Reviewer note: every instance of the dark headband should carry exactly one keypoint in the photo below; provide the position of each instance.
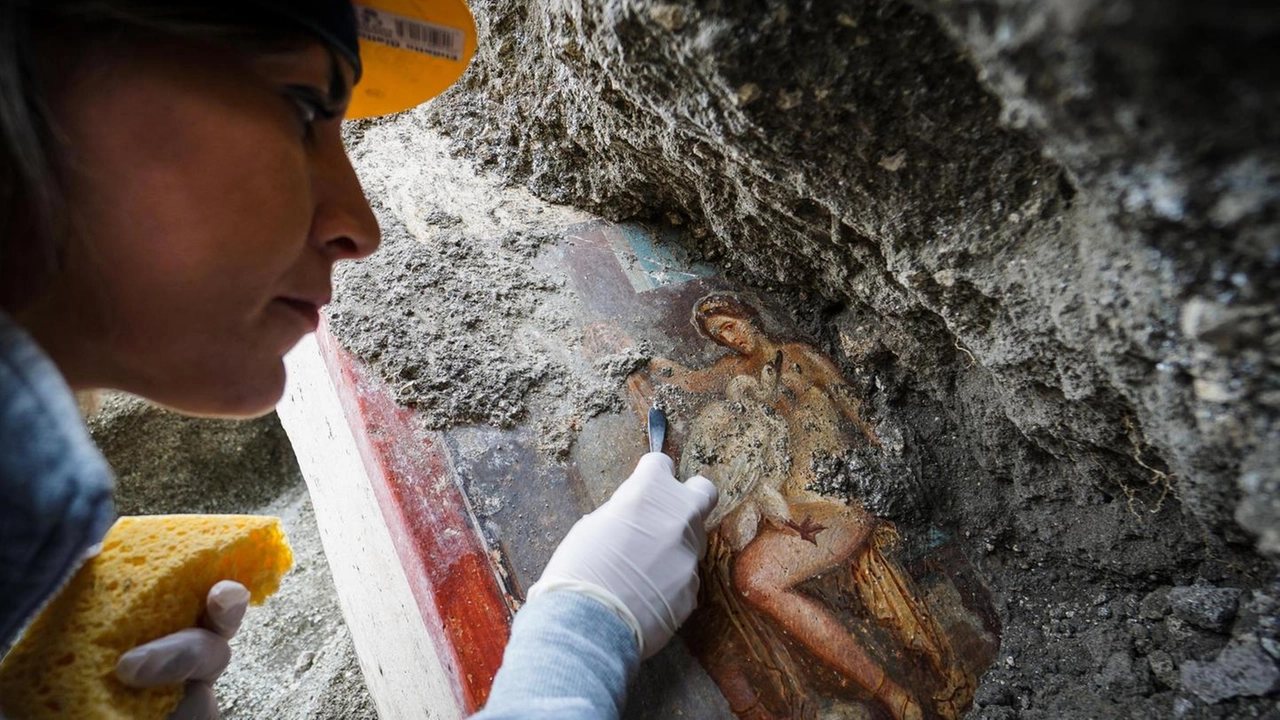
(333, 22)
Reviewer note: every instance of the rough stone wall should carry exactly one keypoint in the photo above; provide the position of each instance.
(1043, 234)
(1078, 199)
(1168, 115)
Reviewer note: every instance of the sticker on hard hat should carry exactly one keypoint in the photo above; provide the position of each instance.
(405, 33)
(411, 50)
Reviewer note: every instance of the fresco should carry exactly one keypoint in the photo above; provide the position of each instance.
(771, 411)
(811, 607)
(807, 606)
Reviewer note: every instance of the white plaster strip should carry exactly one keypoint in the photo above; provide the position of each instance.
(399, 660)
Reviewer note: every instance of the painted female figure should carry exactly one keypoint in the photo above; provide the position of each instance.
(784, 406)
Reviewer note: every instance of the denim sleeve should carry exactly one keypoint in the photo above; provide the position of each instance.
(569, 658)
(55, 488)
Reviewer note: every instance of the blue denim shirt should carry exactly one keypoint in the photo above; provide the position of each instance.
(569, 658)
(55, 487)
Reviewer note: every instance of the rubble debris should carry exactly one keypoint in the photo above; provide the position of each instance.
(1243, 668)
(1207, 607)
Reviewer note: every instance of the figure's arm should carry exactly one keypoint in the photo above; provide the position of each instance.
(827, 376)
(706, 380)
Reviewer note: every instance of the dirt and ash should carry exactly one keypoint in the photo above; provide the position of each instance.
(458, 310)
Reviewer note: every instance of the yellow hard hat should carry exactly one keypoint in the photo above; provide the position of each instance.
(411, 51)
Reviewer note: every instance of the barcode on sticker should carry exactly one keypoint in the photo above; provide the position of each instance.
(405, 33)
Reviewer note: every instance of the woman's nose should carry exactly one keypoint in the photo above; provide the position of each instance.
(344, 225)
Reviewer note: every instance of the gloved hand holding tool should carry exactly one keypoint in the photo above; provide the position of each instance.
(638, 552)
(195, 656)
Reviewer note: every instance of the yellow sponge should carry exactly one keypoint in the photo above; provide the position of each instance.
(150, 580)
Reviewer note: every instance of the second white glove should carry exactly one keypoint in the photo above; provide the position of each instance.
(638, 552)
(195, 656)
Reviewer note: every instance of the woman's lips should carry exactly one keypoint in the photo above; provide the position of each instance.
(308, 311)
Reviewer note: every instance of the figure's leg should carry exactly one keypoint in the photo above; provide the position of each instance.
(725, 644)
(769, 568)
(737, 689)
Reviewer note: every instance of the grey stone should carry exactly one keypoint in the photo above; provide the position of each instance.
(1259, 507)
(1223, 326)
(1180, 631)
(1217, 391)
(1272, 646)
(305, 660)
(170, 463)
(1264, 605)
(1155, 605)
(1119, 672)
(1163, 669)
(993, 693)
(1207, 607)
(1243, 668)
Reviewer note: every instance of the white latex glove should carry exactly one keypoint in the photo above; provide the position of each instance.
(638, 553)
(196, 656)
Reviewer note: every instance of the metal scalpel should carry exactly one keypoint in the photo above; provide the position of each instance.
(657, 429)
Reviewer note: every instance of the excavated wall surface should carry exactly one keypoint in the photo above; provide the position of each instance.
(1044, 237)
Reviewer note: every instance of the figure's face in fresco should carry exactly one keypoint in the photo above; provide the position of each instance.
(734, 333)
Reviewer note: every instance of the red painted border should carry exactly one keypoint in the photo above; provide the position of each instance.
(448, 567)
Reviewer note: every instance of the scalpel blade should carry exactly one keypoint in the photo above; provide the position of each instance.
(657, 429)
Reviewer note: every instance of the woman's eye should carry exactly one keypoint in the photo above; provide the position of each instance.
(310, 108)
(307, 112)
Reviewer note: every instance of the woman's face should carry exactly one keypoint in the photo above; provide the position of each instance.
(734, 333)
(211, 197)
